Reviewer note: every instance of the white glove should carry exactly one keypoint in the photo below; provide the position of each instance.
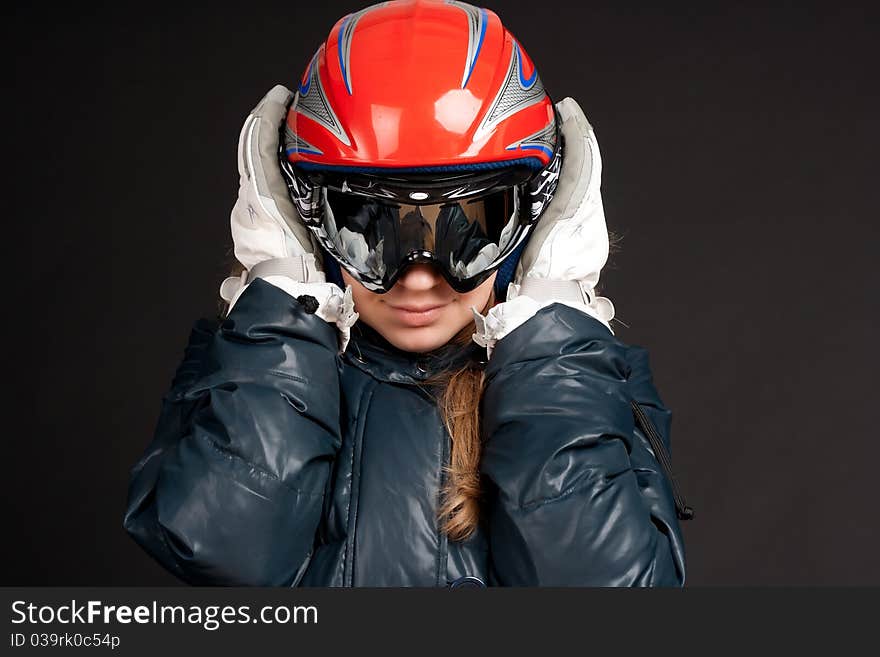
(270, 239)
(563, 258)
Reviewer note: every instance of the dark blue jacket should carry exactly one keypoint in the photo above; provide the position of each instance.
(277, 461)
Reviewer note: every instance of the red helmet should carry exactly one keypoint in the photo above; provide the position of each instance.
(421, 132)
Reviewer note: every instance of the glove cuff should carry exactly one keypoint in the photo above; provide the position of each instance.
(301, 268)
(298, 276)
(545, 288)
(573, 293)
(526, 299)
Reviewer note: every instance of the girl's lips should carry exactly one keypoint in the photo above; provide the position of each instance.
(417, 317)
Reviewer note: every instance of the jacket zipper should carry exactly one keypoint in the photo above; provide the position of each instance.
(682, 510)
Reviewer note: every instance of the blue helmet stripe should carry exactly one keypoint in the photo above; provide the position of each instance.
(537, 147)
(304, 88)
(339, 41)
(526, 84)
(483, 20)
(307, 151)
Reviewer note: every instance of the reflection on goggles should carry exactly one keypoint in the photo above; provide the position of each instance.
(377, 237)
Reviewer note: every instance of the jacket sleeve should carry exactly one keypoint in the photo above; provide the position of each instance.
(576, 497)
(230, 491)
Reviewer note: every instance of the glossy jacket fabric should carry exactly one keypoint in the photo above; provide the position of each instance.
(277, 461)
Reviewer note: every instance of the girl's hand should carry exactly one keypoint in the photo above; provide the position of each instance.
(564, 256)
(270, 239)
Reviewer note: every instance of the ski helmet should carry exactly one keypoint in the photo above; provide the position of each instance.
(420, 131)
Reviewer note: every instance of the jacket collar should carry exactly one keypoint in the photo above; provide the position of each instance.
(373, 354)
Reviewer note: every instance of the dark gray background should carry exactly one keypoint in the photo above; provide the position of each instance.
(740, 164)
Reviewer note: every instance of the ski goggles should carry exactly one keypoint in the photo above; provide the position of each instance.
(378, 223)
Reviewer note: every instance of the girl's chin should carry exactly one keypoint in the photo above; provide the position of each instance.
(417, 339)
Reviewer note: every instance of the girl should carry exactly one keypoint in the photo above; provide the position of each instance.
(461, 414)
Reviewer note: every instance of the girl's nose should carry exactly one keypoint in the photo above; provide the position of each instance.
(419, 277)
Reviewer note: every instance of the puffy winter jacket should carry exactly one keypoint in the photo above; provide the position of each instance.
(278, 461)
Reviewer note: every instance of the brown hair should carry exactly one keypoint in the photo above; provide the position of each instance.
(459, 404)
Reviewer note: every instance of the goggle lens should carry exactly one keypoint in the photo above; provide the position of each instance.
(379, 238)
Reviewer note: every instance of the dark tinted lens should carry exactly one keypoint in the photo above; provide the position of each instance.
(476, 234)
(363, 232)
